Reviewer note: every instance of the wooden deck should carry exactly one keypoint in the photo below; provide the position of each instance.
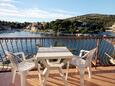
(102, 76)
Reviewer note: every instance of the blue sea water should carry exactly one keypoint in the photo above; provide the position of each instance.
(74, 44)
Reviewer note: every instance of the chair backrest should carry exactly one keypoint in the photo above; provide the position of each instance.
(90, 55)
(13, 59)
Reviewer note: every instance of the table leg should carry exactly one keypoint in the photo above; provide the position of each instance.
(40, 73)
(63, 76)
(46, 76)
(67, 69)
(43, 75)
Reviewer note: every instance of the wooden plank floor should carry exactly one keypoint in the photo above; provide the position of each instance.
(102, 76)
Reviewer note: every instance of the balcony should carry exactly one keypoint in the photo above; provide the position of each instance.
(103, 75)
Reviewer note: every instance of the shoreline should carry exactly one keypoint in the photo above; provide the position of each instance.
(107, 33)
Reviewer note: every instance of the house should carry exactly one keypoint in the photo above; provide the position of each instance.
(112, 28)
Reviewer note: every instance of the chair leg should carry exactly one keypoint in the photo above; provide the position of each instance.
(23, 78)
(14, 75)
(89, 71)
(77, 70)
(63, 77)
(81, 76)
(45, 78)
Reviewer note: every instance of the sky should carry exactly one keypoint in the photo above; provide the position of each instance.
(49, 10)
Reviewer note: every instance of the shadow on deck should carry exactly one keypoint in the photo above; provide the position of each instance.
(102, 76)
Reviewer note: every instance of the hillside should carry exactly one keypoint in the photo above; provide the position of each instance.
(89, 23)
(106, 20)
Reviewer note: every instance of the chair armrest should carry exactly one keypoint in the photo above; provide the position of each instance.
(81, 53)
(108, 55)
(112, 60)
(21, 53)
(34, 59)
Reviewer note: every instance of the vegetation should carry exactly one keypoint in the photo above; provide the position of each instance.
(90, 23)
(4, 25)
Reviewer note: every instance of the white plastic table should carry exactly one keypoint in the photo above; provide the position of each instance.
(46, 53)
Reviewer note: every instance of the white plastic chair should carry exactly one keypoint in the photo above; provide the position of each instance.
(22, 66)
(83, 61)
(111, 59)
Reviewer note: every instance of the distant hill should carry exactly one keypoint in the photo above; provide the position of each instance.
(105, 20)
(89, 23)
